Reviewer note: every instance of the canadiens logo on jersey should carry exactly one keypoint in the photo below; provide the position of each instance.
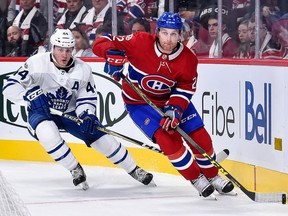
(60, 99)
(156, 84)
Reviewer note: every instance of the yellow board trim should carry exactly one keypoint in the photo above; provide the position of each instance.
(251, 177)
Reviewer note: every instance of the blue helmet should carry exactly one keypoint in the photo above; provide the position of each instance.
(170, 20)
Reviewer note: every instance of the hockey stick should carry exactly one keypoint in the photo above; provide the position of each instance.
(105, 130)
(255, 196)
(221, 156)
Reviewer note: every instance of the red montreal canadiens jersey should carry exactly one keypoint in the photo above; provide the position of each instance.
(160, 76)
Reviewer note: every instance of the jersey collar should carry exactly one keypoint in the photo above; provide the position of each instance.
(171, 56)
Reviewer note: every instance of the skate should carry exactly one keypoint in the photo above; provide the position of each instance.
(203, 186)
(142, 176)
(222, 185)
(79, 177)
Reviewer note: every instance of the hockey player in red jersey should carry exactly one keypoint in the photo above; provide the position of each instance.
(166, 72)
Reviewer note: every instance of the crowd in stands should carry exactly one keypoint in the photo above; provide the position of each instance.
(24, 25)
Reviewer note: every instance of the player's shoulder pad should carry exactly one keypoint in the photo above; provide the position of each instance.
(37, 61)
(82, 67)
(189, 53)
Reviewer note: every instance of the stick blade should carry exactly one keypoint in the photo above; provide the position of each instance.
(222, 155)
(271, 197)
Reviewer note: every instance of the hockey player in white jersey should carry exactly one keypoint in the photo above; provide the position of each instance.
(58, 80)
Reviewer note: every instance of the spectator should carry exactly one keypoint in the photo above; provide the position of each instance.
(100, 14)
(280, 32)
(33, 25)
(209, 21)
(244, 40)
(103, 29)
(15, 7)
(186, 38)
(88, 4)
(44, 47)
(3, 24)
(141, 8)
(82, 46)
(11, 11)
(74, 13)
(59, 6)
(140, 24)
(269, 48)
(228, 44)
(14, 41)
(271, 12)
(95, 18)
(187, 10)
(123, 6)
(242, 9)
(203, 43)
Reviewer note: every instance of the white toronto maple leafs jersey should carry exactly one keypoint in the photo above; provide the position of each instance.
(69, 90)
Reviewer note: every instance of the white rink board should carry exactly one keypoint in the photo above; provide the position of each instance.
(238, 91)
(247, 95)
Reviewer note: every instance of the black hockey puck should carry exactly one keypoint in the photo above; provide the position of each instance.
(284, 198)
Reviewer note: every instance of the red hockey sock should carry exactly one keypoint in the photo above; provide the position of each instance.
(203, 139)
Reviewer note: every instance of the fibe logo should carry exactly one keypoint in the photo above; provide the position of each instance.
(258, 116)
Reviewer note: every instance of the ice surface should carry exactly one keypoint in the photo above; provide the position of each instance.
(47, 190)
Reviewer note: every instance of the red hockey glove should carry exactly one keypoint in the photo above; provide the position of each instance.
(172, 119)
(114, 63)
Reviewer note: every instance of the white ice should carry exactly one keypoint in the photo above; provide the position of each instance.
(47, 190)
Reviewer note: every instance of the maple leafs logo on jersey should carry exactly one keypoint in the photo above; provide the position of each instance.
(61, 100)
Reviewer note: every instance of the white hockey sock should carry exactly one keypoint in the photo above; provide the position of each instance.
(115, 152)
(49, 137)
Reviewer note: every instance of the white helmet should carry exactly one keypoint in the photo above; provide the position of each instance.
(62, 38)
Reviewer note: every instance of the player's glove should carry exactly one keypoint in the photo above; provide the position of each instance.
(172, 118)
(90, 123)
(38, 101)
(114, 63)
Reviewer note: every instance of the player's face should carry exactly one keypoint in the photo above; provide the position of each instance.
(168, 39)
(62, 55)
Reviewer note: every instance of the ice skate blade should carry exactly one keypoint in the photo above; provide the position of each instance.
(152, 184)
(231, 193)
(84, 186)
(210, 197)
